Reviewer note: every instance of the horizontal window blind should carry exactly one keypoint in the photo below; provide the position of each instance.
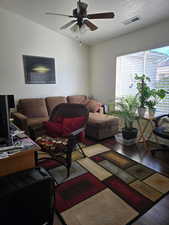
(154, 63)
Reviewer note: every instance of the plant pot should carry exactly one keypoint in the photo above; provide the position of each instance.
(141, 111)
(119, 138)
(129, 133)
(151, 112)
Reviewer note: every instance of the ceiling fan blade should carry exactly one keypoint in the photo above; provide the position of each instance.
(57, 14)
(108, 15)
(90, 25)
(67, 25)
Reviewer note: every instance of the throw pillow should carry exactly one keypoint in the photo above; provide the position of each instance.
(93, 105)
(72, 124)
(53, 129)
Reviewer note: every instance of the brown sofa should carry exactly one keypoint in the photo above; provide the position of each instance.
(33, 111)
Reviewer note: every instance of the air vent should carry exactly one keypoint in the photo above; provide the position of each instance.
(131, 20)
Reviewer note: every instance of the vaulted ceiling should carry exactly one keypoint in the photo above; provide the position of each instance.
(149, 11)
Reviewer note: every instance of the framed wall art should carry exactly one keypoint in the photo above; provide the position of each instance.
(39, 70)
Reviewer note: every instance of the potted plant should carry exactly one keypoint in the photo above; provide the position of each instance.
(144, 92)
(156, 96)
(126, 108)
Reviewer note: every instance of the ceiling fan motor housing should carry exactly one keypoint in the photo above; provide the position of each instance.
(82, 13)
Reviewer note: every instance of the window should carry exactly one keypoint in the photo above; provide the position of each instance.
(154, 63)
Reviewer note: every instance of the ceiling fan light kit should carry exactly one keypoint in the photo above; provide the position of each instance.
(76, 29)
(81, 18)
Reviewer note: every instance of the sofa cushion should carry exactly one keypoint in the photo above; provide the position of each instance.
(79, 99)
(102, 120)
(51, 102)
(93, 105)
(33, 107)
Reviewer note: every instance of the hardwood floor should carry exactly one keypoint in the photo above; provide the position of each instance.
(159, 214)
(142, 154)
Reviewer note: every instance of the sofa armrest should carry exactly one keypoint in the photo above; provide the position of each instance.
(20, 120)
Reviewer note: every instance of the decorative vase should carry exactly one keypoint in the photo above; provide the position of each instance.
(141, 111)
(151, 112)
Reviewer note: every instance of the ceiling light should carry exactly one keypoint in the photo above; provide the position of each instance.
(76, 29)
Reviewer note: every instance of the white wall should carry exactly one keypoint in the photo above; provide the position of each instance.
(103, 56)
(19, 36)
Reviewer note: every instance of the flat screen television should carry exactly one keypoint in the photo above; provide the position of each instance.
(6, 102)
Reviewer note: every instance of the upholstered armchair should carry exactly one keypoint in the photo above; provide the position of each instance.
(63, 132)
(161, 130)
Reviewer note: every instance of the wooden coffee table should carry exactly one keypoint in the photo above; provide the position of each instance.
(22, 160)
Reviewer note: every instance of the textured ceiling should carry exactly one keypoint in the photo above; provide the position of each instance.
(149, 11)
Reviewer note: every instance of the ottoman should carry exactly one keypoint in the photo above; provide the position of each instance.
(101, 126)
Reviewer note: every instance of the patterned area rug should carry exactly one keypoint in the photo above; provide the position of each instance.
(106, 188)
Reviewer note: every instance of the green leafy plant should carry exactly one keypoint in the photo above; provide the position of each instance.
(126, 108)
(156, 96)
(144, 91)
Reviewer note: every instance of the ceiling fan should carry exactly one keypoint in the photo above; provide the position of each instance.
(81, 17)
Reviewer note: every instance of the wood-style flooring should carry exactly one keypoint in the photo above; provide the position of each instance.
(159, 214)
